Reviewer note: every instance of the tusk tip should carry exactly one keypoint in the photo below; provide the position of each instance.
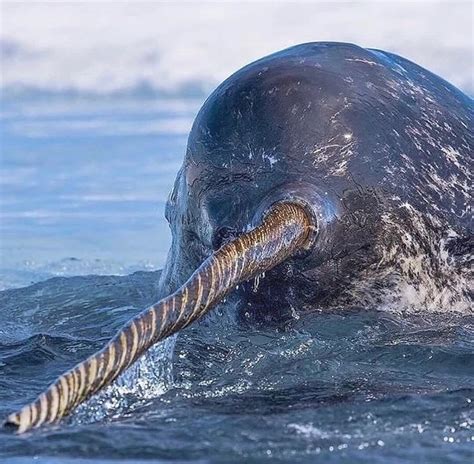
(18, 422)
(13, 423)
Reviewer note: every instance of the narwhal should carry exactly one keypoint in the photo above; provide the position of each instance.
(342, 173)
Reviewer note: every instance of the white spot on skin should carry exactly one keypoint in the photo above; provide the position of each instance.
(452, 155)
(428, 281)
(256, 282)
(360, 60)
(336, 160)
(272, 159)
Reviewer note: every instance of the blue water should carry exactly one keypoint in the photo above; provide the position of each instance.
(83, 187)
(84, 183)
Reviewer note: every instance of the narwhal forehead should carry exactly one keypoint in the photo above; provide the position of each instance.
(336, 116)
(273, 124)
(216, 171)
(243, 165)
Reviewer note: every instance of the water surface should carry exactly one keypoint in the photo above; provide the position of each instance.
(349, 386)
(84, 182)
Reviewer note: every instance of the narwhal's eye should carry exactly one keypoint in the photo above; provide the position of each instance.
(222, 236)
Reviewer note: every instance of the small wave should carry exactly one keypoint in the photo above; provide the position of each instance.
(150, 377)
(30, 272)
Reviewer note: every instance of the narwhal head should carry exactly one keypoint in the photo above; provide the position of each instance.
(278, 130)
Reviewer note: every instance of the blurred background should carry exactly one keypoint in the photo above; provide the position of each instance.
(97, 100)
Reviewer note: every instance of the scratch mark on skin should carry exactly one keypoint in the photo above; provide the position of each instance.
(360, 60)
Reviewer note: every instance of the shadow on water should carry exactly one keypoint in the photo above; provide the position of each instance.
(347, 386)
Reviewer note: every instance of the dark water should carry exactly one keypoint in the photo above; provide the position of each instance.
(350, 386)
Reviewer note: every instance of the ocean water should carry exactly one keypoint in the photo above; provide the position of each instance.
(84, 182)
(350, 386)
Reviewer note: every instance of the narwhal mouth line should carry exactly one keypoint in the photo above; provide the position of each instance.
(286, 228)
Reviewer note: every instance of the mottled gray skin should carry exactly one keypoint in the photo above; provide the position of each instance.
(380, 148)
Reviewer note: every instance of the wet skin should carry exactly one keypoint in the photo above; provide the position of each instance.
(381, 149)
